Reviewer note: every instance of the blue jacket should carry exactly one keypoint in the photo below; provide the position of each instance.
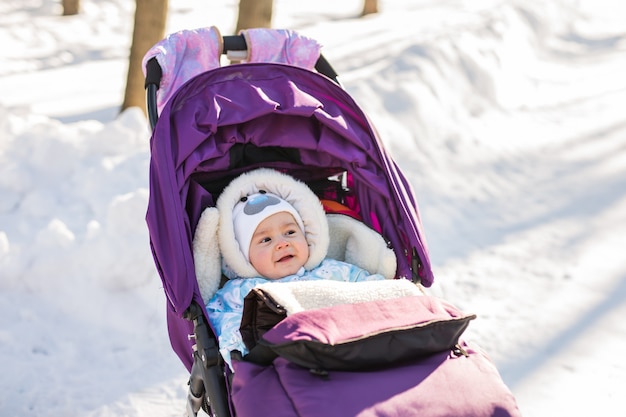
(225, 309)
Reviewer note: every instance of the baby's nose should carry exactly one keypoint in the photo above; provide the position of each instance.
(282, 244)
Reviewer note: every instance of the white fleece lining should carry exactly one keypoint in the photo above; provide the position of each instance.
(206, 253)
(352, 242)
(310, 295)
(355, 243)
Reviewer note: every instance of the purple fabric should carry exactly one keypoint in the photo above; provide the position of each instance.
(337, 324)
(442, 385)
(264, 105)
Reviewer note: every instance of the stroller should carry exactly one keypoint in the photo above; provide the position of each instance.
(283, 108)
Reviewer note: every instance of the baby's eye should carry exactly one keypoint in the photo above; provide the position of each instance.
(265, 240)
(291, 232)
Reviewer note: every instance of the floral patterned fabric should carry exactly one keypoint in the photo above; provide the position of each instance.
(182, 56)
(187, 53)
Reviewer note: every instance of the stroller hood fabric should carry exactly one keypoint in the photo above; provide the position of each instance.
(202, 137)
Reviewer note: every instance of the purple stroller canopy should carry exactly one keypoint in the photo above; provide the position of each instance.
(265, 105)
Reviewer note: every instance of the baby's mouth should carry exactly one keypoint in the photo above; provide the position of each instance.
(285, 258)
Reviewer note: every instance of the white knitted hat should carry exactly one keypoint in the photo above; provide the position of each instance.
(250, 211)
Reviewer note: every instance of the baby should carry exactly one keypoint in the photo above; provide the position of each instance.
(278, 243)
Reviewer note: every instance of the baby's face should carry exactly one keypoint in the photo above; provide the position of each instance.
(278, 247)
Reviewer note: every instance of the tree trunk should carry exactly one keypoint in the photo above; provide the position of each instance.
(70, 7)
(369, 7)
(254, 14)
(150, 20)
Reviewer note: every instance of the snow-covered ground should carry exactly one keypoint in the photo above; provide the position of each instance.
(507, 116)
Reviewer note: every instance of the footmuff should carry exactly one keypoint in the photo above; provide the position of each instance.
(388, 356)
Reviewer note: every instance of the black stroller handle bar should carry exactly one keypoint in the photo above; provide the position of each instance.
(154, 73)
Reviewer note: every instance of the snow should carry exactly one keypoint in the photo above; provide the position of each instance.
(507, 116)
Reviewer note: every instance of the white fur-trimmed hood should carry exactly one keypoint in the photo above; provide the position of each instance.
(352, 241)
(295, 192)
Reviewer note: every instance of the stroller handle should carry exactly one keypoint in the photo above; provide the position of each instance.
(232, 43)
